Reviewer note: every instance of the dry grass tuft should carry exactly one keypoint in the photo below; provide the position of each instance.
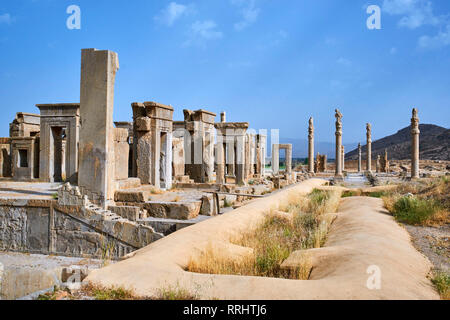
(91, 291)
(173, 293)
(298, 224)
(112, 293)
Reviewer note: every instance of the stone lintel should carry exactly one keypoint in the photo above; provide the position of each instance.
(123, 124)
(59, 110)
(22, 139)
(231, 125)
(178, 124)
(152, 104)
(285, 146)
(205, 111)
(28, 118)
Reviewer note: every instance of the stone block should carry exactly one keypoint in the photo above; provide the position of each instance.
(143, 124)
(130, 196)
(207, 208)
(127, 212)
(173, 210)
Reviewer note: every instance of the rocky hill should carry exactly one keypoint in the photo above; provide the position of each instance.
(434, 144)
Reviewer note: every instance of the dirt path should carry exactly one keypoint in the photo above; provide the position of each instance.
(364, 238)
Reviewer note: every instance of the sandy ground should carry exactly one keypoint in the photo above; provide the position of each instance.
(367, 256)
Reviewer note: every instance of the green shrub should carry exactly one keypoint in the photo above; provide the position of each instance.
(441, 281)
(413, 210)
(348, 193)
(377, 194)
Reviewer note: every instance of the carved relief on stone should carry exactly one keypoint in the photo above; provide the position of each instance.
(415, 122)
(369, 132)
(338, 116)
(311, 128)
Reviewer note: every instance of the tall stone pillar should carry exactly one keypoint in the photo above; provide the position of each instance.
(369, 148)
(63, 159)
(415, 132)
(260, 154)
(96, 149)
(231, 157)
(311, 146)
(289, 159)
(220, 159)
(378, 164)
(223, 117)
(359, 158)
(338, 172)
(240, 158)
(275, 159)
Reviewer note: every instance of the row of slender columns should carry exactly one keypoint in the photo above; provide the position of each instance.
(340, 151)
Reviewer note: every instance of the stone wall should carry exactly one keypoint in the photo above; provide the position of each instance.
(5, 157)
(46, 227)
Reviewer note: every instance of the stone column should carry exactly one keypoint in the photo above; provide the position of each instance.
(369, 148)
(359, 158)
(231, 157)
(275, 159)
(263, 154)
(385, 167)
(289, 160)
(240, 159)
(220, 159)
(415, 132)
(63, 159)
(338, 172)
(343, 158)
(311, 146)
(223, 117)
(247, 156)
(96, 150)
(378, 164)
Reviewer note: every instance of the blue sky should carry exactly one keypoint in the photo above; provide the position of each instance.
(273, 63)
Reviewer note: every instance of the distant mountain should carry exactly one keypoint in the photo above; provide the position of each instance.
(434, 144)
(300, 147)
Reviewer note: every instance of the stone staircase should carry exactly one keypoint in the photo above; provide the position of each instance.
(131, 233)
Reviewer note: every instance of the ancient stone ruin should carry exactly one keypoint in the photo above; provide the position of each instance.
(90, 183)
(79, 184)
(415, 132)
(339, 168)
(321, 163)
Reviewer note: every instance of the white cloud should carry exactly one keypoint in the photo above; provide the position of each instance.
(171, 13)
(344, 62)
(415, 13)
(330, 41)
(6, 18)
(202, 31)
(248, 11)
(442, 39)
